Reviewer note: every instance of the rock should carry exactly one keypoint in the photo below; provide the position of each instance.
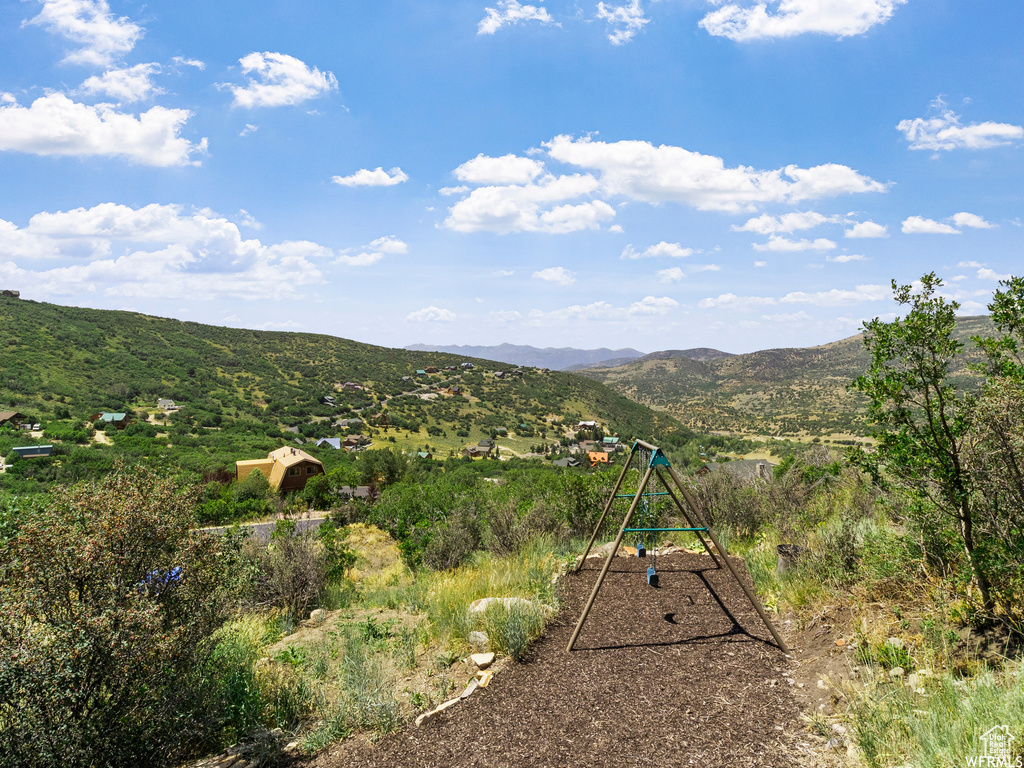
(426, 717)
(479, 641)
(821, 684)
(318, 616)
(481, 605)
(895, 642)
(838, 730)
(482, 660)
(483, 678)
(897, 672)
(473, 685)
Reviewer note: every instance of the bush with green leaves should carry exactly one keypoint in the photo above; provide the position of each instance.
(109, 605)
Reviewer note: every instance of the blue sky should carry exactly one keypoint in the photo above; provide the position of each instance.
(724, 173)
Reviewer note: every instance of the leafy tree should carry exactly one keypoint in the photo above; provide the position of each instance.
(255, 487)
(109, 605)
(922, 422)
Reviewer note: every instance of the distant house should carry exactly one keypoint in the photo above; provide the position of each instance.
(13, 418)
(287, 469)
(477, 451)
(119, 420)
(587, 425)
(500, 374)
(351, 385)
(327, 400)
(486, 443)
(424, 455)
(409, 378)
(568, 461)
(610, 440)
(344, 423)
(454, 390)
(33, 451)
(743, 470)
(333, 442)
(10, 294)
(467, 366)
(167, 405)
(597, 457)
(420, 372)
(431, 369)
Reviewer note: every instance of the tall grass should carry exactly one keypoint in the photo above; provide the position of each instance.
(942, 726)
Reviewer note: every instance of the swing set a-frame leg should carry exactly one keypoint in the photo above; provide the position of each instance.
(611, 556)
(721, 551)
(608, 506)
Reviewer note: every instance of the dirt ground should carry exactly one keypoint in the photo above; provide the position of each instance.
(684, 674)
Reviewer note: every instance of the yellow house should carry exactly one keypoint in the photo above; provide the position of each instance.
(287, 468)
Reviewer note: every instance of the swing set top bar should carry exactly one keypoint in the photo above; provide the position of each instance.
(660, 530)
(633, 495)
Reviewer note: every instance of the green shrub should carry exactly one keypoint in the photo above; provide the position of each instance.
(109, 605)
(511, 628)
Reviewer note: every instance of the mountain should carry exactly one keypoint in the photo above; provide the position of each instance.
(700, 353)
(797, 391)
(559, 359)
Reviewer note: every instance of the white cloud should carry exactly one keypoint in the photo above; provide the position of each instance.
(917, 225)
(56, 125)
(157, 250)
(603, 311)
(972, 220)
(505, 315)
(760, 263)
(970, 264)
(625, 20)
(837, 297)
(787, 223)
(509, 13)
(459, 190)
(559, 275)
(126, 85)
(280, 80)
(505, 272)
(520, 196)
(373, 252)
(946, 133)
(651, 305)
(787, 18)
(671, 250)
(375, 178)
(530, 207)
(844, 258)
(705, 268)
(779, 243)
(791, 317)
(736, 303)
(102, 37)
(249, 129)
(507, 169)
(431, 314)
(991, 274)
(181, 61)
(867, 229)
(389, 244)
(671, 275)
(640, 171)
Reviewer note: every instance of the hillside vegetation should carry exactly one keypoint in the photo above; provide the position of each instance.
(780, 392)
(239, 389)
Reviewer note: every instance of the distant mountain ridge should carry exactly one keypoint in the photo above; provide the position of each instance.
(556, 358)
(772, 391)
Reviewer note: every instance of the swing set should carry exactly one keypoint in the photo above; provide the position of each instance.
(657, 472)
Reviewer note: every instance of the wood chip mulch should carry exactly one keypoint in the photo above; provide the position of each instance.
(679, 675)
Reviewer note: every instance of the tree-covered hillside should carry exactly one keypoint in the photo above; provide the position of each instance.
(239, 389)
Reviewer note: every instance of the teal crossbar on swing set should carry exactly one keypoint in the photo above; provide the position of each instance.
(659, 466)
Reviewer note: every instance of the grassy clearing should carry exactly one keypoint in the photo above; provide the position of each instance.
(390, 652)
